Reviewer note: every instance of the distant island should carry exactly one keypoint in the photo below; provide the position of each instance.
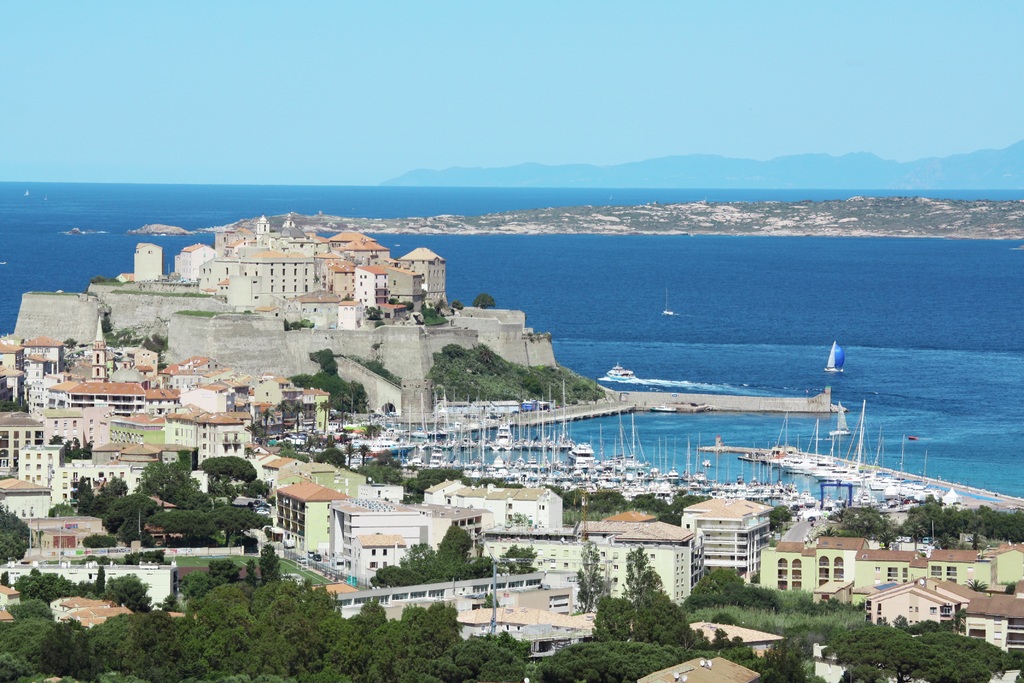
(159, 229)
(989, 169)
(854, 217)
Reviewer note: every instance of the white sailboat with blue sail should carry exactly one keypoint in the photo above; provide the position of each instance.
(836, 358)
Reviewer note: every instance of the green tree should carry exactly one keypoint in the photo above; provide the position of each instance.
(13, 667)
(31, 608)
(642, 581)
(172, 483)
(484, 300)
(455, 545)
(61, 510)
(86, 498)
(45, 587)
(270, 565)
(66, 651)
(779, 516)
(783, 663)
(101, 581)
(520, 560)
(876, 653)
(129, 591)
(99, 541)
(590, 578)
(14, 535)
(717, 581)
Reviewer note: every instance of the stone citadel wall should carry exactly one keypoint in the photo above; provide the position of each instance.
(258, 345)
(58, 315)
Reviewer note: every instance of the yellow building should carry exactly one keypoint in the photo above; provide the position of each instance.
(794, 566)
(673, 552)
(998, 620)
(303, 513)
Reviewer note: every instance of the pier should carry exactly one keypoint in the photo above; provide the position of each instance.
(642, 401)
(689, 403)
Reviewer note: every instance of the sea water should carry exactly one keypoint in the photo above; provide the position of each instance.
(933, 329)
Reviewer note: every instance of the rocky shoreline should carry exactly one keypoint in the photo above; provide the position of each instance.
(909, 217)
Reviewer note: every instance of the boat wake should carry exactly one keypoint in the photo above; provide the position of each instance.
(693, 387)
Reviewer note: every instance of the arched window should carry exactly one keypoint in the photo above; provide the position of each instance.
(837, 569)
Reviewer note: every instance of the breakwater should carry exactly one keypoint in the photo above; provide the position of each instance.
(645, 400)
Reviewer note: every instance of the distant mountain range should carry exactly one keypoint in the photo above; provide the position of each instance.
(988, 169)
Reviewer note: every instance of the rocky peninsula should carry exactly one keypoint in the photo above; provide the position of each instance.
(854, 217)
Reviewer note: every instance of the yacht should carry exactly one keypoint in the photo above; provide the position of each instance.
(619, 372)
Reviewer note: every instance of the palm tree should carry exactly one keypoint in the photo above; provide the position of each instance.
(324, 407)
(977, 585)
(886, 537)
(349, 451)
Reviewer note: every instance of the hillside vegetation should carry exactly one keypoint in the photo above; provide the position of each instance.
(481, 374)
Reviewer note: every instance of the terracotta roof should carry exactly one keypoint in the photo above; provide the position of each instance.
(882, 555)
(789, 547)
(421, 254)
(41, 342)
(337, 588)
(639, 531)
(747, 635)
(5, 616)
(630, 516)
(719, 671)
(20, 485)
(103, 388)
(841, 543)
(348, 237)
(381, 540)
(528, 616)
(726, 508)
(311, 493)
(9, 592)
(195, 247)
(162, 394)
(375, 270)
(953, 556)
(997, 606)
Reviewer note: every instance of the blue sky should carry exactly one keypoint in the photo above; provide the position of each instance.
(354, 93)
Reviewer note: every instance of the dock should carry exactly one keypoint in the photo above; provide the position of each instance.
(623, 402)
(729, 403)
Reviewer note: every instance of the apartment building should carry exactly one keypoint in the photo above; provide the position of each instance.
(735, 531)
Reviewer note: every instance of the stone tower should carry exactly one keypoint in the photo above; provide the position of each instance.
(263, 226)
(99, 354)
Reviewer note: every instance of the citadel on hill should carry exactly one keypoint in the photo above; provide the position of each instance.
(267, 295)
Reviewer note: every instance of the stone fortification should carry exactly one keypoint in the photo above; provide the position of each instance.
(256, 345)
(58, 315)
(146, 308)
(379, 391)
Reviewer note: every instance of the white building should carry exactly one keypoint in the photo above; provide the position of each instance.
(534, 507)
(734, 532)
(160, 580)
(371, 552)
(25, 499)
(350, 519)
(189, 263)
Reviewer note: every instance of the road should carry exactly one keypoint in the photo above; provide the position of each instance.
(798, 532)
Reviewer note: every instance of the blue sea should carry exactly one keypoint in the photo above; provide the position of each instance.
(933, 329)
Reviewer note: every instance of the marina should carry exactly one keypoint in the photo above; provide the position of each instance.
(538, 448)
